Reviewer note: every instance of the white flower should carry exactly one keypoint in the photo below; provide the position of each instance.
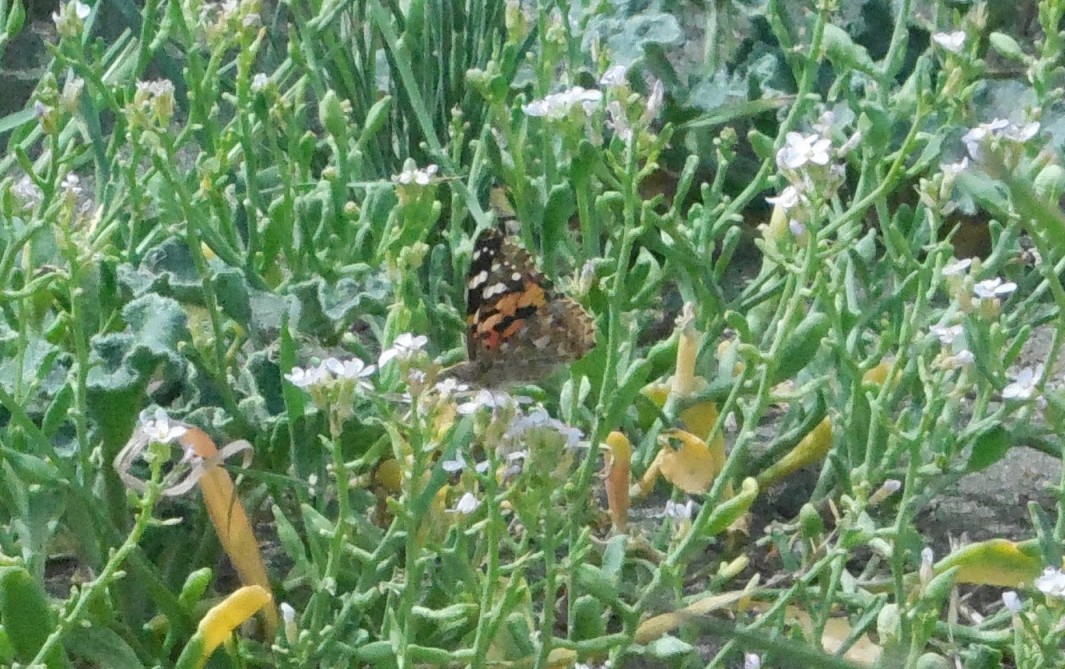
(459, 463)
(752, 661)
(403, 347)
(654, 101)
(958, 267)
(975, 138)
(928, 556)
(946, 333)
(1024, 384)
(796, 227)
(615, 76)
(886, 489)
(953, 42)
(305, 378)
(449, 387)
(539, 418)
(70, 19)
(416, 176)
(485, 399)
(992, 288)
(852, 141)
(41, 110)
(468, 503)
(456, 465)
(27, 191)
(156, 426)
(1051, 583)
(999, 128)
(963, 358)
(731, 423)
(1012, 601)
(926, 571)
(679, 511)
(953, 169)
(824, 123)
(616, 120)
(349, 370)
(559, 105)
(1021, 133)
(799, 150)
(788, 198)
(288, 616)
(71, 185)
(259, 82)
(156, 87)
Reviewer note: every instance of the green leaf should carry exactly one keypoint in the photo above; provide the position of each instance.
(101, 647)
(232, 292)
(27, 618)
(1007, 47)
(668, 648)
(989, 447)
(628, 38)
(845, 54)
(1049, 548)
(155, 327)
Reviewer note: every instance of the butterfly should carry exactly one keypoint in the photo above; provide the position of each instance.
(518, 328)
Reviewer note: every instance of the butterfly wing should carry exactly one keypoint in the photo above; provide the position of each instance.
(517, 326)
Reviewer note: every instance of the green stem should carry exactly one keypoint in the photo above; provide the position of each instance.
(110, 570)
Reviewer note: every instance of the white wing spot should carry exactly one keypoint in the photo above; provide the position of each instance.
(479, 279)
(516, 276)
(495, 289)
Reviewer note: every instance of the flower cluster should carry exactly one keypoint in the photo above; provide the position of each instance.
(70, 19)
(331, 371)
(626, 112)
(28, 193)
(415, 185)
(225, 22)
(333, 383)
(999, 133)
(152, 105)
(557, 106)
(415, 176)
(955, 355)
(806, 162)
(984, 297)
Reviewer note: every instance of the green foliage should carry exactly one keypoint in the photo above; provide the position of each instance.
(210, 208)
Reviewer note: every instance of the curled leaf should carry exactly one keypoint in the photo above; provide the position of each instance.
(998, 562)
(220, 621)
(686, 461)
(812, 448)
(655, 627)
(617, 479)
(229, 517)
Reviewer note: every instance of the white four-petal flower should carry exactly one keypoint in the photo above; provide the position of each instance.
(953, 42)
(158, 428)
(1051, 583)
(1024, 384)
(404, 346)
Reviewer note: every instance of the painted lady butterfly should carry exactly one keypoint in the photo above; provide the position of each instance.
(518, 329)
